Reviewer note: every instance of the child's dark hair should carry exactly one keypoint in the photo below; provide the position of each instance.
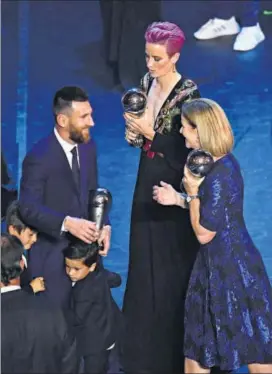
(14, 218)
(79, 250)
(11, 255)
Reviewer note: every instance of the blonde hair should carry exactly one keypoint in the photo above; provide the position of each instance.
(213, 127)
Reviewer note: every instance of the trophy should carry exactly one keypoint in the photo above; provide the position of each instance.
(100, 201)
(199, 163)
(99, 205)
(134, 102)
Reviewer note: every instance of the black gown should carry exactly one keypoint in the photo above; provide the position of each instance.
(124, 25)
(163, 248)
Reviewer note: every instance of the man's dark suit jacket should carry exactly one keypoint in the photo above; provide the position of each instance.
(34, 337)
(94, 315)
(25, 279)
(48, 194)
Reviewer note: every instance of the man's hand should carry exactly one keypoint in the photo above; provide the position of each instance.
(37, 285)
(105, 238)
(82, 229)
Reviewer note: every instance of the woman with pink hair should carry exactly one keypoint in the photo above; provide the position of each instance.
(162, 243)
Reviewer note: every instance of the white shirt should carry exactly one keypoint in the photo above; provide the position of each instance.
(9, 288)
(67, 148)
(25, 261)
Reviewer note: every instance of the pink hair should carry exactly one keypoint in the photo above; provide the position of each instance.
(166, 33)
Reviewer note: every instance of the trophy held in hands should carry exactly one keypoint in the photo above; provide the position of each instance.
(134, 102)
(99, 205)
(199, 163)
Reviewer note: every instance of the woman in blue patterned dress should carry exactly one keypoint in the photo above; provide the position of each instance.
(228, 317)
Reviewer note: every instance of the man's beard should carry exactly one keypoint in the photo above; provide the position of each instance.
(78, 137)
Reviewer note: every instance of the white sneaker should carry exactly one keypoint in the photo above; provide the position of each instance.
(248, 38)
(217, 27)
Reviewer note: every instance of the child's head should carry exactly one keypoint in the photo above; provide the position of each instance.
(12, 263)
(80, 259)
(16, 226)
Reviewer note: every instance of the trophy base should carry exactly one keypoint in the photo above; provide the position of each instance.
(138, 142)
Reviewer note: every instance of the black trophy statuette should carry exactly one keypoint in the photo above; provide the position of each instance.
(134, 102)
(199, 163)
(100, 201)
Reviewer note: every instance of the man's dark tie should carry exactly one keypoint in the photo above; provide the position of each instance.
(75, 168)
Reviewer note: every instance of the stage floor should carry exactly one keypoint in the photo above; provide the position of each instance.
(49, 44)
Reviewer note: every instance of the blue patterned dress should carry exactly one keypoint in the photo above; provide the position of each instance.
(228, 317)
